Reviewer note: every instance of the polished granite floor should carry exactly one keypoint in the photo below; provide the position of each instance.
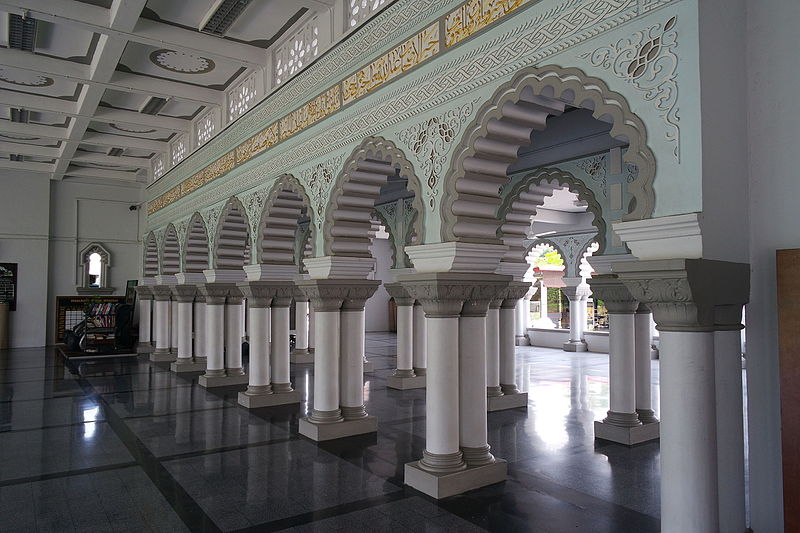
(125, 445)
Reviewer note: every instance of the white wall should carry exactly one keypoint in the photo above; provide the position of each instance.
(43, 227)
(774, 137)
(377, 308)
(24, 208)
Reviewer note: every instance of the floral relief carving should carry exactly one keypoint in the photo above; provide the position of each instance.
(430, 141)
(596, 167)
(212, 219)
(318, 180)
(647, 60)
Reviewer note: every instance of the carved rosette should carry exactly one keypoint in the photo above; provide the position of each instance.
(614, 293)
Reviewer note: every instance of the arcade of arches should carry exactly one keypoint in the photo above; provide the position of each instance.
(513, 194)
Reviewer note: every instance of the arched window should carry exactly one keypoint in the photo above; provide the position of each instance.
(94, 263)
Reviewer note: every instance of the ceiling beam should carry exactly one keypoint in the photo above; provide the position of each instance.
(103, 159)
(34, 130)
(39, 103)
(101, 173)
(152, 33)
(29, 149)
(119, 141)
(30, 166)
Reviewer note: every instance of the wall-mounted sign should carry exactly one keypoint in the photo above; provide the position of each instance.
(8, 284)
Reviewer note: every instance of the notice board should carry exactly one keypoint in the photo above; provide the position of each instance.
(8, 284)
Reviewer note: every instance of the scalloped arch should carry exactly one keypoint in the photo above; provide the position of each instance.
(232, 237)
(510, 232)
(150, 257)
(195, 248)
(358, 185)
(170, 256)
(505, 123)
(276, 234)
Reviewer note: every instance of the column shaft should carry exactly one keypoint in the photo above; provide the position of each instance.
(472, 402)
(173, 326)
(405, 341)
(145, 316)
(280, 348)
(233, 338)
(311, 328)
(326, 368)
(301, 327)
(215, 339)
(259, 371)
(621, 379)
(185, 331)
(352, 363)
(420, 341)
(493, 352)
(200, 333)
(507, 350)
(162, 326)
(644, 339)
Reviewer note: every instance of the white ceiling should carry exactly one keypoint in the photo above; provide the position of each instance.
(95, 63)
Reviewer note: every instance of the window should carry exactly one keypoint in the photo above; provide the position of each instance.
(297, 51)
(158, 168)
(178, 150)
(204, 128)
(242, 97)
(95, 261)
(360, 10)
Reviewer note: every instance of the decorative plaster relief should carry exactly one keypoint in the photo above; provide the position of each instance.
(430, 141)
(474, 16)
(647, 60)
(318, 180)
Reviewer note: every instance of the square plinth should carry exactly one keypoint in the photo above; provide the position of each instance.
(145, 347)
(445, 485)
(576, 347)
(337, 430)
(522, 340)
(394, 382)
(222, 381)
(269, 400)
(368, 366)
(163, 357)
(507, 401)
(193, 366)
(301, 357)
(627, 436)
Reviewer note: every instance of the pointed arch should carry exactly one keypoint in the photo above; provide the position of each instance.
(170, 251)
(195, 255)
(286, 204)
(358, 185)
(150, 260)
(528, 195)
(232, 239)
(506, 123)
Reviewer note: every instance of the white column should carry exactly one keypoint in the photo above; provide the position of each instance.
(259, 371)
(575, 291)
(162, 326)
(326, 363)
(507, 347)
(301, 327)
(184, 332)
(233, 336)
(200, 332)
(519, 312)
(730, 430)
(405, 341)
(420, 341)
(173, 326)
(472, 340)
(542, 300)
(689, 496)
(311, 328)
(145, 317)
(215, 337)
(352, 362)
(621, 378)
(493, 349)
(280, 345)
(644, 340)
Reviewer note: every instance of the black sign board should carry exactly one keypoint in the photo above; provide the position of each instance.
(8, 284)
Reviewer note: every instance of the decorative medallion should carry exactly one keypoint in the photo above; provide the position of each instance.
(24, 78)
(180, 62)
(647, 61)
(131, 130)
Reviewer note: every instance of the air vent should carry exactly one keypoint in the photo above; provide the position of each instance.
(115, 152)
(16, 157)
(153, 105)
(222, 15)
(20, 115)
(21, 32)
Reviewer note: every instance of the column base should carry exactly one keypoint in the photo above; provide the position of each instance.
(506, 401)
(301, 357)
(401, 383)
(443, 485)
(337, 430)
(420, 371)
(144, 347)
(222, 381)
(626, 435)
(190, 366)
(522, 340)
(254, 401)
(576, 346)
(647, 416)
(162, 357)
(368, 366)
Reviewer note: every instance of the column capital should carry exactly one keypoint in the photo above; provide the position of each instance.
(688, 294)
(574, 290)
(216, 293)
(144, 292)
(235, 295)
(184, 293)
(199, 297)
(266, 293)
(161, 293)
(614, 293)
(512, 294)
(358, 292)
(399, 293)
(443, 294)
(325, 294)
(298, 294)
